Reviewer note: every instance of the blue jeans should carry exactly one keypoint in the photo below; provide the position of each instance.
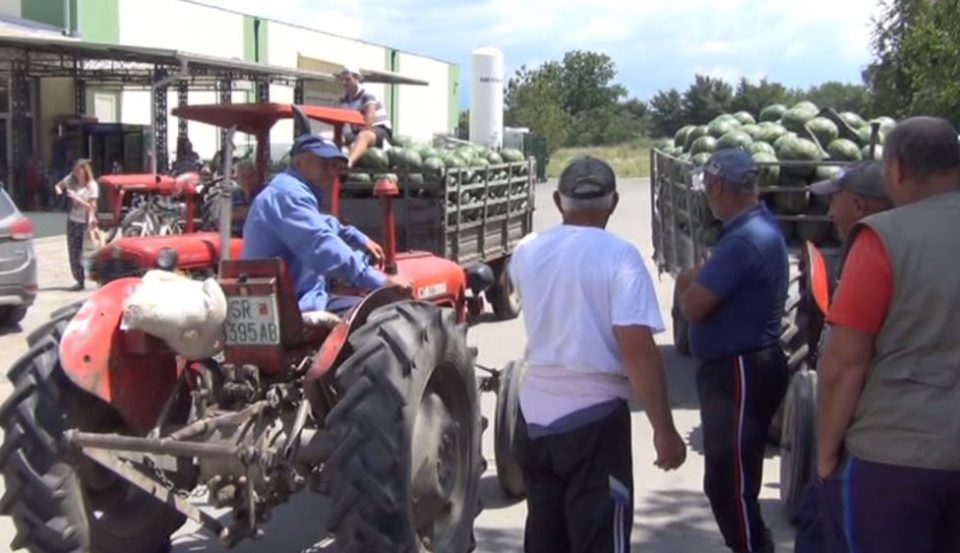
(809, 529)
(341, 304)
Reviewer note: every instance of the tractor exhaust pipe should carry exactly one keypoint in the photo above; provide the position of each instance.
(226, 196)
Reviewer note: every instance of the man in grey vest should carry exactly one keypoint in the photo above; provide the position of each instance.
(376, 129)
(888, 443)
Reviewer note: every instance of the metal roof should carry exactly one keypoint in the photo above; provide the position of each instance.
(109, 63)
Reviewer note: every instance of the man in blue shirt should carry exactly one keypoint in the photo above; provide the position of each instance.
(285, 221)
(734, 303)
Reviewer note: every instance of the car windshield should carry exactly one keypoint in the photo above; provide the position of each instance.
(6, 205)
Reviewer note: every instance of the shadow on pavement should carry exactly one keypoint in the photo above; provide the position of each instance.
(499, 539)
(491, 495)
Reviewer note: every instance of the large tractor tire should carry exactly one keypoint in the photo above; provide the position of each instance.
(502, 296)
(59, 501)
(405, 471)
(55, 325)
(796, 340)
(509, 474)
(798, 443)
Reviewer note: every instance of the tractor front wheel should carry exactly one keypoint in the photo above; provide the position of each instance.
(58, 500)
(405, 471)
(797, 443)
(505, 421)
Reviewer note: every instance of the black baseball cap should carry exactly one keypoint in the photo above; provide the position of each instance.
(863, 178)
(587, 177)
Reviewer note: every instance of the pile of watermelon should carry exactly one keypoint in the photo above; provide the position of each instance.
(468, 176)
(801, 133)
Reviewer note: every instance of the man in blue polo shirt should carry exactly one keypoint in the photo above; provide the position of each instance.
(285, 221)
(734, 303)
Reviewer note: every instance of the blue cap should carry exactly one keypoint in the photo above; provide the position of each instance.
(317, 146)
(733, 166)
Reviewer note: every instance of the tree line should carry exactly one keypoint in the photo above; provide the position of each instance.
(576, 101)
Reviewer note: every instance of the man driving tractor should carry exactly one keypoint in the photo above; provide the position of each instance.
(377, 129)
(285, 221)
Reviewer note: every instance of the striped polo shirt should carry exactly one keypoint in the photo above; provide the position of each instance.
(360, 101)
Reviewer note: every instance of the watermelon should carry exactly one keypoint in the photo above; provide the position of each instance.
(359, 178)
(496, 159)
(753, 130)
(511, 155)
(769, 174)
(394, 155)
(799, 149)
(427, 152)
(735, 139)
(866, 133)
(680, 138)
(725, 117)
(795, 119)
(793, 202)
(374, 158)
(762, 148)
(703, 144)
(454, 162)
(685, 157)
(808, 107)
(720, 127)
(852, 119)
(877, 153)
(783, 139)
(433, 167)
(744, 118)
(408, 160)
(844, 150)
(886, 124)
(773, 113)
(770, 132)
(402, 141)
(700, 159)
(694, 134)
(824, 129)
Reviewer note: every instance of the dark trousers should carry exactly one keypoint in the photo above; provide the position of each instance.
(876, 508)
(738, 398)
(75, 234)
(809, 538)
(579, 487)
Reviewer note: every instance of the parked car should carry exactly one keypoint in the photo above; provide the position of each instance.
(18, 263)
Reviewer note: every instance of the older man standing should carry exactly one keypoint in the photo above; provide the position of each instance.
(734, 304)
(590, 312)
(888, 443)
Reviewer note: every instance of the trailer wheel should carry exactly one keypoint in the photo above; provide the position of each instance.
(506, 417)
(58, 501)
(406, 466)
(797, 443)
(502, 296)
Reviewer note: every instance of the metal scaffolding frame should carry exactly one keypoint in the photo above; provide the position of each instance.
(134, 68)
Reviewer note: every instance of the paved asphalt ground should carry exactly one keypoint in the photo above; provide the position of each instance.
(671, 514)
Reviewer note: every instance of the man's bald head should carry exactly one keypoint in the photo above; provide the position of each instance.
(924, 146)
(921, 158)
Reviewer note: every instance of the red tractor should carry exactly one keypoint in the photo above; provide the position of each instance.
(109, 431)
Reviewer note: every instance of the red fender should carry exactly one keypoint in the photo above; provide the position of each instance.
(817, 277)
(133, 372)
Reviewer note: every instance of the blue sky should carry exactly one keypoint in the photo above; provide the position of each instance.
(656, 44)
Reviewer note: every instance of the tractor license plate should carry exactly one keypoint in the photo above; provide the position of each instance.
(252, 321)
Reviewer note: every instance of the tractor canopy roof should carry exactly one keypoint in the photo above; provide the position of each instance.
(149, 183)
(259, 118)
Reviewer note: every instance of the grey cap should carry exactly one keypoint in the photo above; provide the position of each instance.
(587, 177)
(864, 178)
(734, 166)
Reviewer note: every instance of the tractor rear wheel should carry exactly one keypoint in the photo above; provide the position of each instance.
(405, 471)
(59, 501)
(505, 420)
(797, 443)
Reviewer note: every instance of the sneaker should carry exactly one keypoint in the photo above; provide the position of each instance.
(77, 287)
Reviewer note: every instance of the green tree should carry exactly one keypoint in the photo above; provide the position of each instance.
(666, 112)
(707, 98)
(753, 98)
(841, 97)
(917, 59)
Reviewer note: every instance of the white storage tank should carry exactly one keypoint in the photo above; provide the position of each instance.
(486, 97)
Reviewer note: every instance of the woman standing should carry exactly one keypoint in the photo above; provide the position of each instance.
(83, 190)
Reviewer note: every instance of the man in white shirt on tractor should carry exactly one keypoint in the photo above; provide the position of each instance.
(376, 129)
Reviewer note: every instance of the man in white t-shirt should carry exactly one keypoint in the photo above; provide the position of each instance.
(590, 313)
(376, 128)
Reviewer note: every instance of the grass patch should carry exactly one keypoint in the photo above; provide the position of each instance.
(629, 160)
